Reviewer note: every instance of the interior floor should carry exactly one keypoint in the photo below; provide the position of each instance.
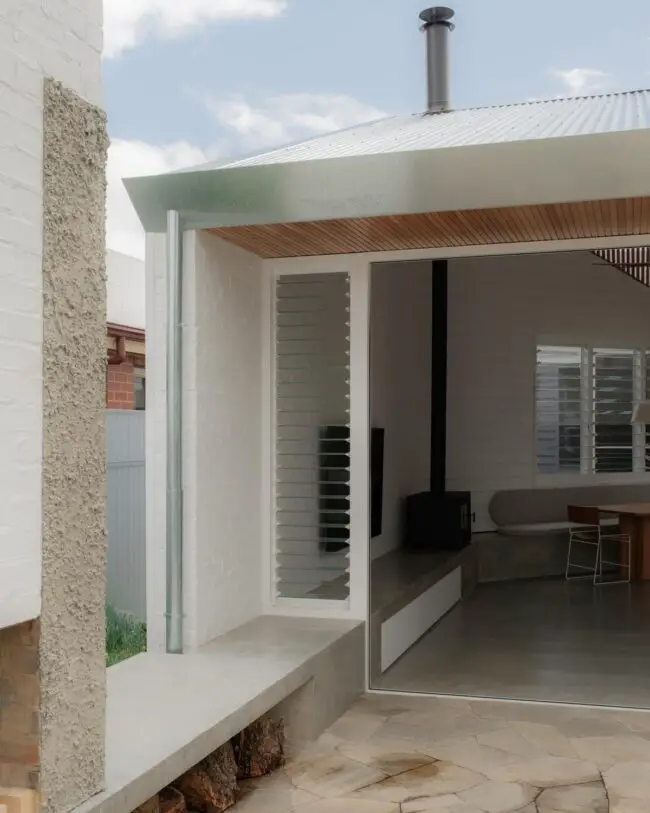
(548, 640)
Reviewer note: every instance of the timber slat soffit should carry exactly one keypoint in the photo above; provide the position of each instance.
(477, 227)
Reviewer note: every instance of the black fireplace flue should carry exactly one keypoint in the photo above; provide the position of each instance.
(438, 519)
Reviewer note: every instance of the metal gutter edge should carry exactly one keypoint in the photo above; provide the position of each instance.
(488, 176)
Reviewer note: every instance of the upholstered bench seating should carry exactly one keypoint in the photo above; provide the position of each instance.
(525, 512)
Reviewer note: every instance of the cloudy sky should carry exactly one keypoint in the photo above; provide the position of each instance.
(194, 80)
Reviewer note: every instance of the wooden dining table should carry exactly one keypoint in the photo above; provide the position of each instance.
(634, 519)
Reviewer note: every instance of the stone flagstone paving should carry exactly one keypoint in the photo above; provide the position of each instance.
(412, 755)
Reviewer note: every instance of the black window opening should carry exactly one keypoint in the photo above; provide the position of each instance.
(139, 392)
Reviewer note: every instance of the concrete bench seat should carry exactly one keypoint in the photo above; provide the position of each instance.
(410, 591)
(165, 713)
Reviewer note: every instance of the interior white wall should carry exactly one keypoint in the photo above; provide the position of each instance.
(500, 308)
(400, 386)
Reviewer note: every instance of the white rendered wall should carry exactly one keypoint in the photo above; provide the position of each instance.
(400, 386)
(500, 308)
(62, 40)
(222, 436)
(125, 290)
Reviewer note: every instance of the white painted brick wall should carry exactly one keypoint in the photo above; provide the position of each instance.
(155, 439)
(38, 38)
(222, 478)
(228, 463)
(125, 286)
(500, 308)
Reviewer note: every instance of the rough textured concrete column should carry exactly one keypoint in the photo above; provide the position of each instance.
(72, 659)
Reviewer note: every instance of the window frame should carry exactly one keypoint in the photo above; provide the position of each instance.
(640, 434)
(140, 373)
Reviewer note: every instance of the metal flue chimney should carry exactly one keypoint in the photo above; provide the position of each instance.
(436, 23)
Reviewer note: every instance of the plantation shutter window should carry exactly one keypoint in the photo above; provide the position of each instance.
(613, 402)
(584, 399)
(312, 448)
(559, 387)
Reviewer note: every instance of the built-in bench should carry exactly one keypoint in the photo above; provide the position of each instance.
(525, 512)
(532, 528)
(165, 713)
(410, 592)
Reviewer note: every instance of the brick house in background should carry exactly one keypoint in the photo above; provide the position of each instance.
(125, 333)
(125, 373)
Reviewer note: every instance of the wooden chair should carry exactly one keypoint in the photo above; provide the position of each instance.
(586, 530)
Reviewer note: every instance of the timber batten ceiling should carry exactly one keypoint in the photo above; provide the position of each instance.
(476, 227)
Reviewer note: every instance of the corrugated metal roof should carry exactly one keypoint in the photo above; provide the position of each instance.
(551, 118)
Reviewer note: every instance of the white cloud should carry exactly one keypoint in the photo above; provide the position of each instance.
(287, 118)
(127, 23)
(130, 159)
(581, 81)
(280, 120)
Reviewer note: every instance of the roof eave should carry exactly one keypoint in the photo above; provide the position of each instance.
(553, 170)
(117, 331)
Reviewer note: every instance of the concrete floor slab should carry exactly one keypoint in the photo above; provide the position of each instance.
(547, 640)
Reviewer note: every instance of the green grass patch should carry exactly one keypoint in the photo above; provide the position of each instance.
(125, 637)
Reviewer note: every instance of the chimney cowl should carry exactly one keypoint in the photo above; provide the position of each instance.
(436, 24)
(438, 15)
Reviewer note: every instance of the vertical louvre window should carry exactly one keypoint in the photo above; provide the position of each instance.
(613, 401)
(312, 472)
(584, 401)
(559, 408)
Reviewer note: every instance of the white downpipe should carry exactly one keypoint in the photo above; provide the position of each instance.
(174, 596)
